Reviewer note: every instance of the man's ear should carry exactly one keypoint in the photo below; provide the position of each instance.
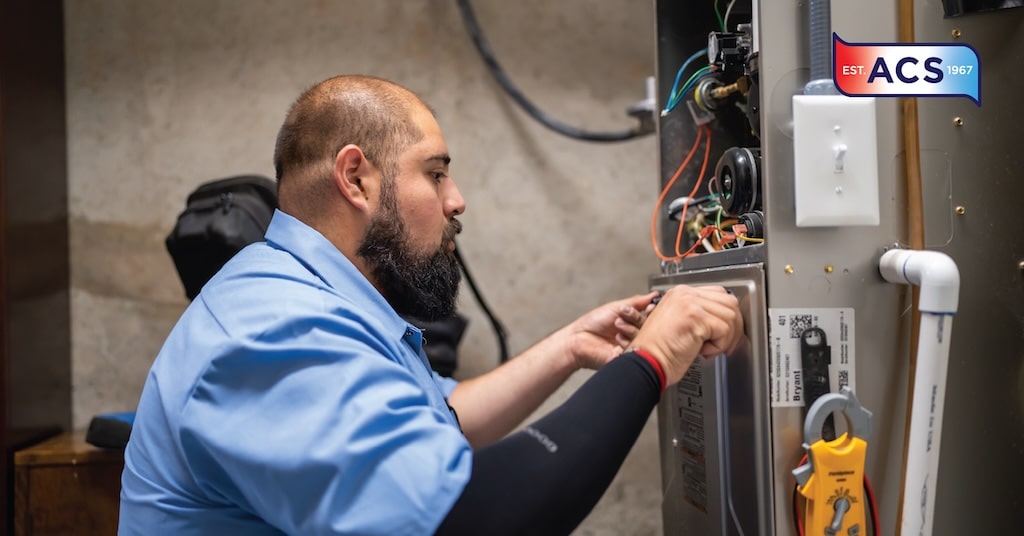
(355, 176)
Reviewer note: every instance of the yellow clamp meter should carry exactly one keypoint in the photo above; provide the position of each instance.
(832, 480)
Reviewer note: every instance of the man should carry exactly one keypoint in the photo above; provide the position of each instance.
(292, 398)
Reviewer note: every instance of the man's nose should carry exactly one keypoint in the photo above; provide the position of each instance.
(454, 204)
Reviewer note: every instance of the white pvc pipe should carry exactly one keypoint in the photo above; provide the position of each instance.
(939, 279)
(926, 425)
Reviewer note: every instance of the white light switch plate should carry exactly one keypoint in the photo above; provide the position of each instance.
(835, 152)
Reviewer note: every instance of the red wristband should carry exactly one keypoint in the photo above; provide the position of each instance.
(654, 364)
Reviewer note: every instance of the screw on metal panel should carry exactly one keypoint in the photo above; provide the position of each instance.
(789, 269)
(956, 33)
(839, 190)
(1021, 265)
(828, 268)
(958, 121)
(961, 210)
(675, 442)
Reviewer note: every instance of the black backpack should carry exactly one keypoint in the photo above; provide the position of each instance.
(220, 218)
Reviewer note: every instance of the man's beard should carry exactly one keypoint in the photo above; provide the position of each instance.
(419, 286)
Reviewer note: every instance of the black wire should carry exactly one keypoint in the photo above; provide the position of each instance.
(871, 507)
(473, 27)
(796, 513)
(499, 329)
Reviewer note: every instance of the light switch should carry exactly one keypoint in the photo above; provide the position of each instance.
(839, 154)
(835, 152)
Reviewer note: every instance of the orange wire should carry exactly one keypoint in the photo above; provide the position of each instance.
(721, 235)
(661, 199)
(696, 186)
(704, 233)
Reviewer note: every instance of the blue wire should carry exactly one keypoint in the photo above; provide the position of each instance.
(701, 73)
(679, 76)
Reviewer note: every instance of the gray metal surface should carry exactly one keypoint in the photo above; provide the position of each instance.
(982, 457)
(973, 163)
(798, 259)
(729, 257)
(714, 427)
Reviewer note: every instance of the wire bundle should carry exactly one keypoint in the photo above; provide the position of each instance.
(705, 225)
(676, 93)
(703, 131)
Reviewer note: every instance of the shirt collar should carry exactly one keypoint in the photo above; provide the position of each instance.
(325, 261)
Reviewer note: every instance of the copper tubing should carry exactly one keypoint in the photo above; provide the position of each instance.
(915, 229)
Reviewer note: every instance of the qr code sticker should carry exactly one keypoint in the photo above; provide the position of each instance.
(798, 323)
(844, 378)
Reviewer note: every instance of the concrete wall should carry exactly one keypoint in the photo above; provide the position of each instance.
(165, 95)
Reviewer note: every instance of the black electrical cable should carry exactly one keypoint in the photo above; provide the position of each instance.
(473, 27)
(872, 507)
(499, 329)
(796, 512)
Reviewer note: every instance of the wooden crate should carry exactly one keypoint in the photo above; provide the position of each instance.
(66, 486)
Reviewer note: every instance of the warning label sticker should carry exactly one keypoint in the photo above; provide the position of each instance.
(690, 404)
(820, 336)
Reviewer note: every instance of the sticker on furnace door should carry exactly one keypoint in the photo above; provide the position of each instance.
(812, 353)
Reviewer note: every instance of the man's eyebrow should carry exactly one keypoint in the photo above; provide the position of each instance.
(441, 156)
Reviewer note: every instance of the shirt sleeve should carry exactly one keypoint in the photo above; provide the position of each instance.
(447, 385)
(546, 478)
(326, 437)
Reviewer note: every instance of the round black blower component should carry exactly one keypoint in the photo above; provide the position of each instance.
(754, 222)
(739, 180)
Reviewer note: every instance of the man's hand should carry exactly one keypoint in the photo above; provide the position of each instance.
(491, 405)
(690, 321)
(601, 334)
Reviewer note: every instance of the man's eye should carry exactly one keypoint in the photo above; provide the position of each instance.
(437, 175)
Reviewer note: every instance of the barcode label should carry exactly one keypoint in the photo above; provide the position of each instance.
(799, 323)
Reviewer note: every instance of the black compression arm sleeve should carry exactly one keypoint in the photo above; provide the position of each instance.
(547, 477)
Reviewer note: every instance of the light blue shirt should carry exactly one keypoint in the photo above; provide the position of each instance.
(291, 398)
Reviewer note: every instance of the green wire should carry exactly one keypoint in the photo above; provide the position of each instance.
(686, 87)
(718, 14)
(718, 225)
(679, 75)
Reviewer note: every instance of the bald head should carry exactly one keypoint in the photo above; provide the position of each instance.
(371, 113)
